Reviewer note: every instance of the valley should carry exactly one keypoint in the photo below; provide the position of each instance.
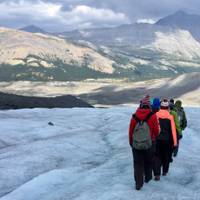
(108, 92)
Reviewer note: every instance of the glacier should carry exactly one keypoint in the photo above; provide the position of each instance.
(86, 155)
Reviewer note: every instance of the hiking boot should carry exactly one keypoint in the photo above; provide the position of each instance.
(164, 174)
(137, 187)
(157, 178)
(147, 180)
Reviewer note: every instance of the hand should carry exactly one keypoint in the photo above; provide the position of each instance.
(175, 151)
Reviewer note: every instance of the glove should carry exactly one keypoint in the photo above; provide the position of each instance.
(131, 145)
(180, 136)
(175, 151)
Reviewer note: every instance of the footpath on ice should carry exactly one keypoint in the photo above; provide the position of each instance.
(86, 156)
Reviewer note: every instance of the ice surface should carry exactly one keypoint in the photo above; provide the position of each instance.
(86, 156)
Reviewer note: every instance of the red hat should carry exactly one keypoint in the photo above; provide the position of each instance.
(145, 101)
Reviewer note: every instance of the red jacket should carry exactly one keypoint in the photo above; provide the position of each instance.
(152, 122)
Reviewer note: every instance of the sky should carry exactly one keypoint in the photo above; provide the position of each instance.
(65, 15)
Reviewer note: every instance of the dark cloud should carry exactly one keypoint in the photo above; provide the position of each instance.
(60, 15)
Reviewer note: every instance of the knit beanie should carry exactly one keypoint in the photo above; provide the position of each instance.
(178, 104)
(164, 104)
(156, 103)
(145, 101)
(171, 101)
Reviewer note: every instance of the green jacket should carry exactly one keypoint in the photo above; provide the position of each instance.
(176, 120)
(182, 118)
(181, 114)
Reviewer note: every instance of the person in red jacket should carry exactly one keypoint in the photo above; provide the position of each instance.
(166, 141)
(142, 158)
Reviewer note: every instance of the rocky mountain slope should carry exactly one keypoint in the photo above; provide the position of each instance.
(46, 57)
(135, 51)
(179, 44)
(133, 34)
(162, 48)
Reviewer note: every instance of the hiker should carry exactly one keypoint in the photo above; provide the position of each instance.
(181, 115)
(174, 113)
(182, 122)
(143, 130)
(166, 140)
(155, 105)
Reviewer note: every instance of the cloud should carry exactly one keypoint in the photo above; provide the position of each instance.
(60, 15)
(52, 15)
(37, 11)
(146, 21)
(85, 14)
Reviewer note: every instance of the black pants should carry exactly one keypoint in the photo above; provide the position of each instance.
(178, 141)
(162, 157)
(142, 160)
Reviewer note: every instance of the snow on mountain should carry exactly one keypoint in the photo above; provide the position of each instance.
(86, 155)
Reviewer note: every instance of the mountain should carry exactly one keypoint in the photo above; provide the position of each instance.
(133, 51)
(183, 20)
(133, 34)
(138, 36)
(29, 56)
(32, 29)
(150, 48)
(179, 43)
(180, 19)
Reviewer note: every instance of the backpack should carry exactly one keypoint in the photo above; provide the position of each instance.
(165, 130)
(180, 116)
(142, 135)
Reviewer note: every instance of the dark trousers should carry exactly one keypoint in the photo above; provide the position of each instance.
(176, 150)
(142, 161)
(162, 157)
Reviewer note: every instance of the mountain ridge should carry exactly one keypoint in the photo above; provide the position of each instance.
(136, 51)
(183, 20)
(33, 29)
